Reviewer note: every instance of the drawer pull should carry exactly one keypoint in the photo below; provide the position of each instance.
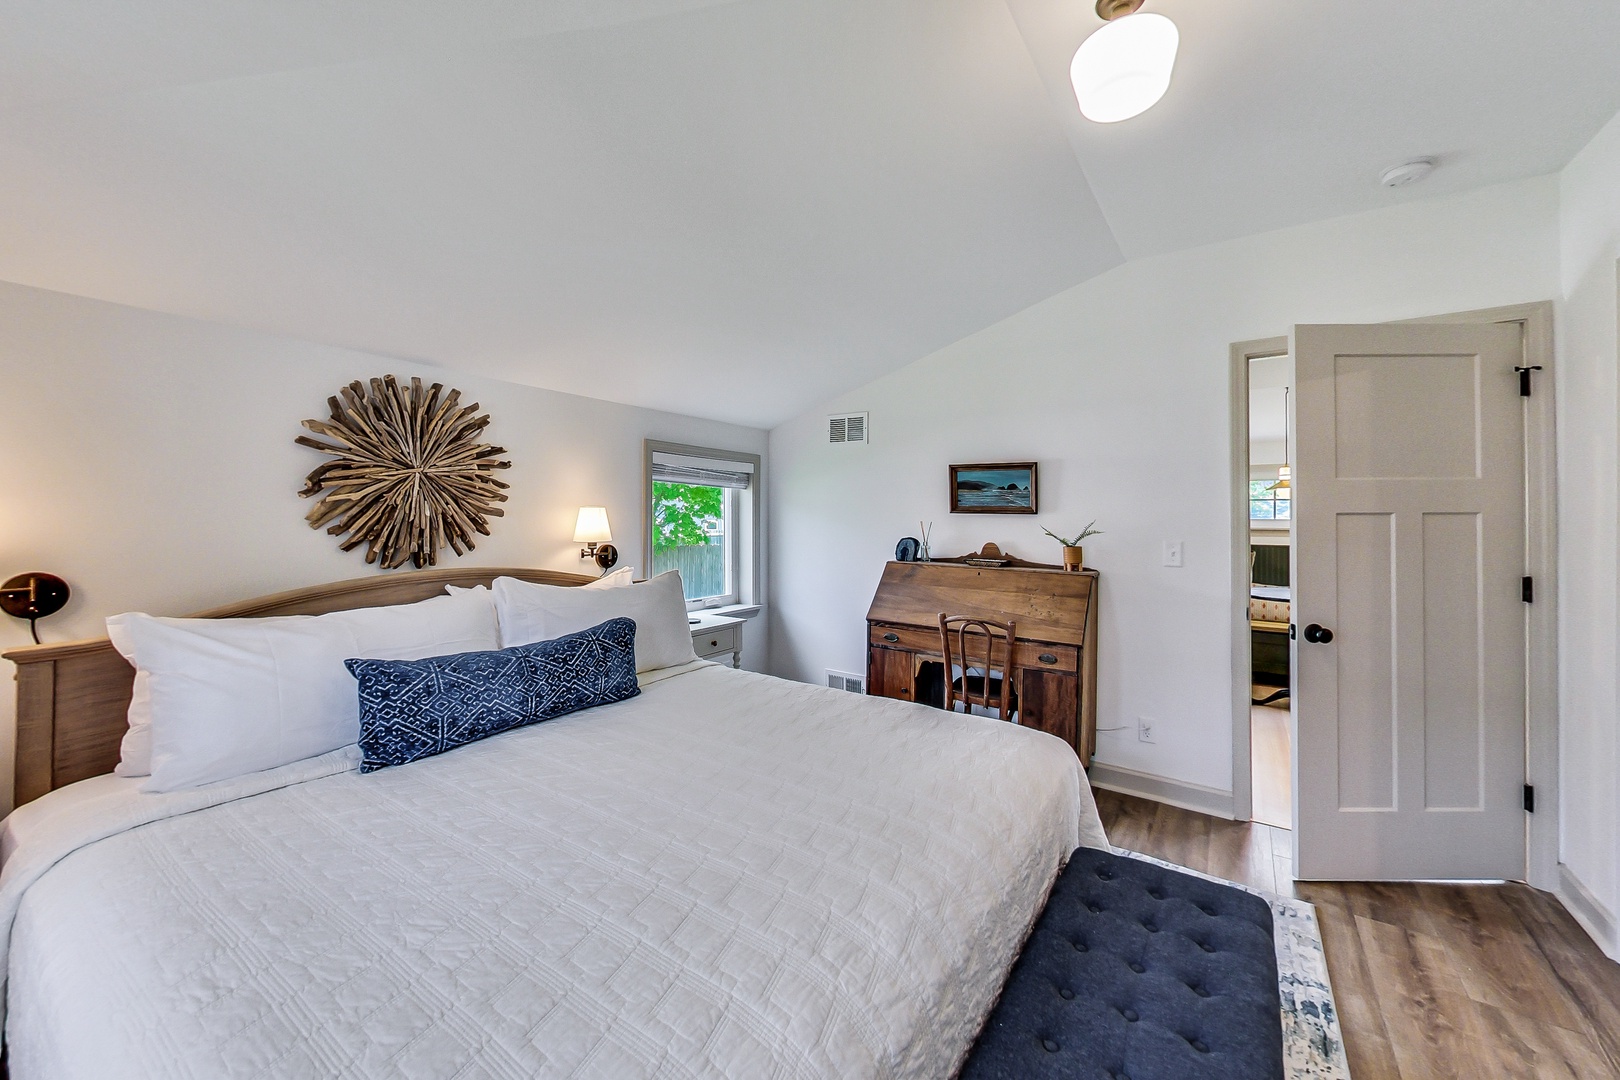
(713, 643)
(1047, 658)
(891, 637)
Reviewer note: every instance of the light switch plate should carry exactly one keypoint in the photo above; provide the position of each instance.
(1172, 553)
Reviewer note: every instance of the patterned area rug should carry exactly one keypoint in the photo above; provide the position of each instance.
(1313, 1046)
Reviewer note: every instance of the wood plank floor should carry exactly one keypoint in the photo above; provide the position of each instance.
(1270, 767)
(1433, 982)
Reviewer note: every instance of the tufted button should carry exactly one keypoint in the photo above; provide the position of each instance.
(1066, 994)
(1136, 966)
(1104, 875)
(1206, 909)
(1198, 1045)
(1206, 946)
(1050, 1045)
(1157, 894)
(1201, 991)
(1093, 907)
(1080, 946)
(1130, 1014)
(1150, 926)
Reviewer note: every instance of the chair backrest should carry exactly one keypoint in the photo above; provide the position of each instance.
(968, 641)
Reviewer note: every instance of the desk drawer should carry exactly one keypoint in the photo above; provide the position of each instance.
(1026, 654)
(905, 638)
(1043, 657)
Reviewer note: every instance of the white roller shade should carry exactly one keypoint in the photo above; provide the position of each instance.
(709, 472)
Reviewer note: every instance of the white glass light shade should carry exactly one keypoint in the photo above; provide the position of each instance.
(592, 527)
(1124, 68)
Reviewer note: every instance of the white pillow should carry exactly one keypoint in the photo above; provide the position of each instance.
(531, 613)
(135, 752)
(235, 696)
(617, 579)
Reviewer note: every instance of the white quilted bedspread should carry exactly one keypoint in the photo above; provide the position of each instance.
(728, 876)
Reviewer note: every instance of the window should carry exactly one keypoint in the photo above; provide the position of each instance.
(691, 534)
(702, 518)
(1266, 504)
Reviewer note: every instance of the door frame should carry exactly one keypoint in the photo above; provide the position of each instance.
(1541, 563)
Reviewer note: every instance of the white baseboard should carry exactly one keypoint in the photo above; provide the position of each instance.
(1596, 919)
(1204, 800)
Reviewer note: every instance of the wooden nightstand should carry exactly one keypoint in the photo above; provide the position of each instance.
(717, 636)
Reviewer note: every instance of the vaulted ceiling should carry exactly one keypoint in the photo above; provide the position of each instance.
(727, 209)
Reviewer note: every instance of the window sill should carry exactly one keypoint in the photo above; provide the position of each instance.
(732, 611)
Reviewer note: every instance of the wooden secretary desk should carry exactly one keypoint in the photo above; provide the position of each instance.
(1054, 663)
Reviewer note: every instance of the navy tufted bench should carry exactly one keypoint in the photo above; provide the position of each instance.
(1135, 972)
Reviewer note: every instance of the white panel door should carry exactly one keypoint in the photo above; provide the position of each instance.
(1408, 607)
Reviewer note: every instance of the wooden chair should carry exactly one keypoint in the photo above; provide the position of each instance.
(991, 691)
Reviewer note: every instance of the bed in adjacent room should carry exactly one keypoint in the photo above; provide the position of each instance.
(1270, 613)
(725, 874)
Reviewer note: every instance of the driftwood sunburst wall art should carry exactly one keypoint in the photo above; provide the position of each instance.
(409, 473)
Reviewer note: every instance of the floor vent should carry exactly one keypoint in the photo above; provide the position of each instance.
(847, 428)
(841, 680)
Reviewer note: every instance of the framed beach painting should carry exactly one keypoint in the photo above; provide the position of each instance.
(1007, 487)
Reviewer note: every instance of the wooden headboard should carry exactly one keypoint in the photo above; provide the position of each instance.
(73, 698)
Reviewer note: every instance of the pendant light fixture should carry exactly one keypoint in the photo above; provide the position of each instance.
(1285, 475)
(1123, 69)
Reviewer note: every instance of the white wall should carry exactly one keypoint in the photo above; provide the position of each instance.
(1119, 388)
(149, 460)
(1269, 380)
(1587, 549)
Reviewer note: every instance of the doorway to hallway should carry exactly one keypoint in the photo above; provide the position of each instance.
(1270, 539)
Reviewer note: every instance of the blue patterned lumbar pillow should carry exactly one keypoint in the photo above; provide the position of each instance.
(413, 709)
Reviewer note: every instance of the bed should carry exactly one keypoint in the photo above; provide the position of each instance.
(727, 875)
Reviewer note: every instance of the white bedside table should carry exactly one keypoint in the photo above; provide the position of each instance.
(716, 636)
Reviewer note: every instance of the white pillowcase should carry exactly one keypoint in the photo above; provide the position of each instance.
(618, 579)
(226, 697)
(530, 612)
(135, 752)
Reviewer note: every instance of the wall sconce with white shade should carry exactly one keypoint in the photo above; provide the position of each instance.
(1123, 69)
(592, 530)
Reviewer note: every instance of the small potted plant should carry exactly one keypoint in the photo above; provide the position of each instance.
(1073, 554)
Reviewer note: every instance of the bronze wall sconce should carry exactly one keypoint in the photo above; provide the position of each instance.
(33, 596)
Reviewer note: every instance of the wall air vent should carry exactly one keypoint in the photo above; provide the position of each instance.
(842, 680)
(847, 428)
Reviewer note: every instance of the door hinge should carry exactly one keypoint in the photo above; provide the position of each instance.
(1529, 798)
(1524, 378)
(1527, 589)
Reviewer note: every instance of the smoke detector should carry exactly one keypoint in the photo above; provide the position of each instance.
(1407, 172)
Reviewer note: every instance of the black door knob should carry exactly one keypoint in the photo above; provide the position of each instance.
(1317, 634)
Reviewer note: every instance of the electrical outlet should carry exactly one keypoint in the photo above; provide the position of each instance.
(1172, 553)
(1144, 729)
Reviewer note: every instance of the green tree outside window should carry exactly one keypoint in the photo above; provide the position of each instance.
(685, 515)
